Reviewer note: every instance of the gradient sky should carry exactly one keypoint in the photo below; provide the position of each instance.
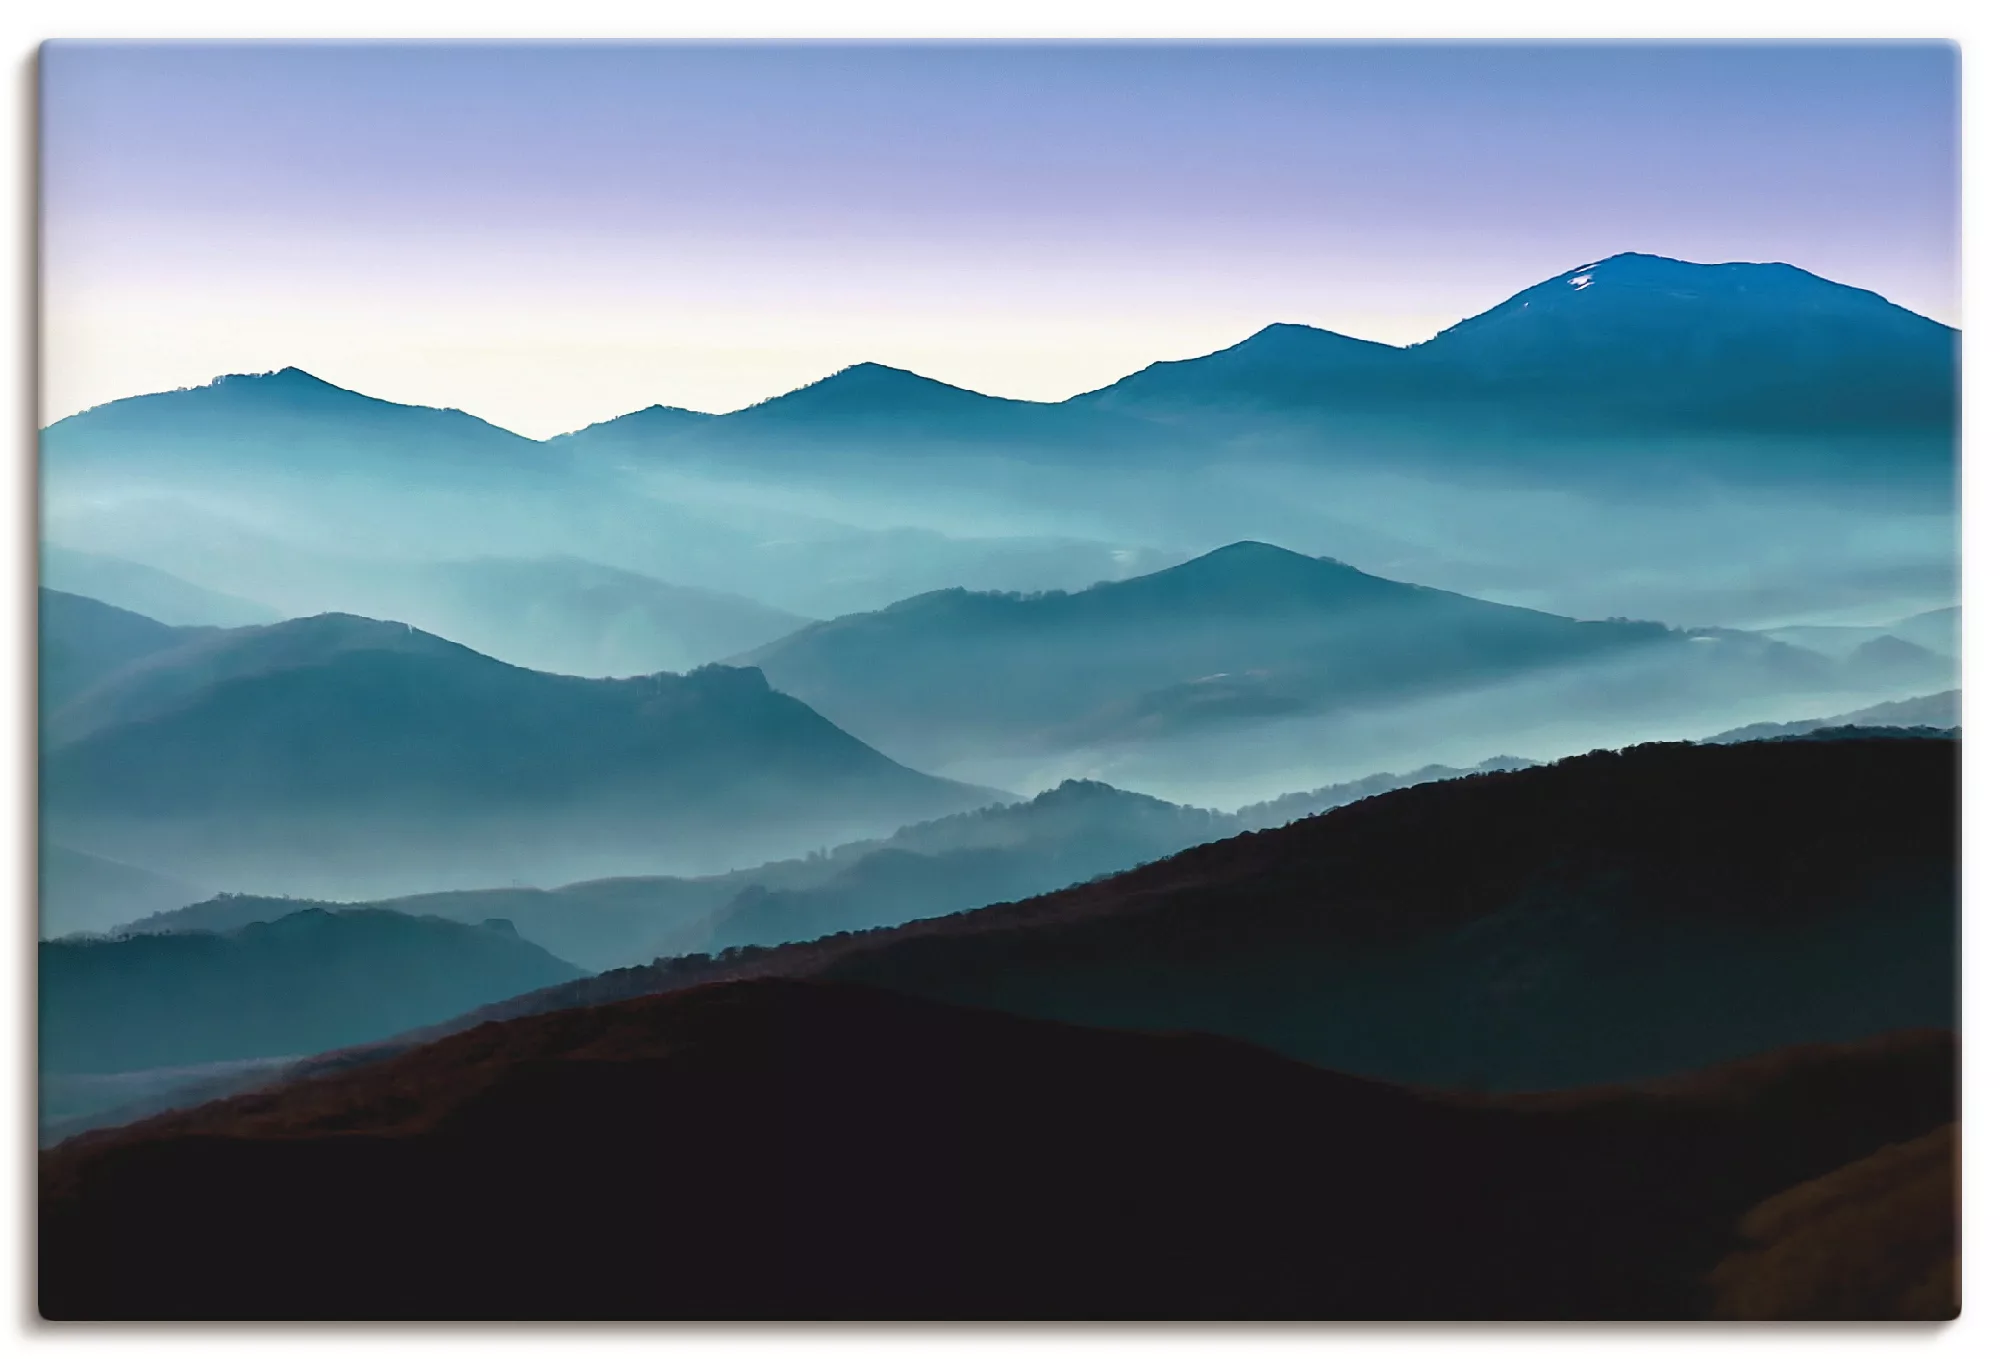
(551, 235)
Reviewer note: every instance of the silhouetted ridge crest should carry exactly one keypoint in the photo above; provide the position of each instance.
(872, 388)
(1630, 344)
(1738, 897)
(647, 422)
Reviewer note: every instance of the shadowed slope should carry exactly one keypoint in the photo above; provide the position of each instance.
(1607, 917)
(254, 424)
(994, 853)
(1876, 1238)
(780, 1149)
(305, 756)
(1247, 631)
(147, 590)
(81, 640)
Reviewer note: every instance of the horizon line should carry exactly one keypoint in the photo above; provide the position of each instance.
(1026, 401)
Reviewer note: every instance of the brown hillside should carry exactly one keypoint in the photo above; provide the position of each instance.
(788, 1149)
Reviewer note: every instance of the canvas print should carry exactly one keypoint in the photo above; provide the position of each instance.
(968, 682)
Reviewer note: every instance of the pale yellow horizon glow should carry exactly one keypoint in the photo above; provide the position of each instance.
(542, 336)
(549, 371)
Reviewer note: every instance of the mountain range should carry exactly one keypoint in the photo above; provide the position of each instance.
(1709, 444)
(1629, 344)
(1063, 836)
(1066, 835)
(1935, 630)
(1629, 340)
(286, 421)
(1575, 928)
(1248, 633)
(825, 1025)
(1632, 343)
(1609, 917)
(146, 590)
(1070, 833)
(350, 723)
(341, 753)
(567, 615)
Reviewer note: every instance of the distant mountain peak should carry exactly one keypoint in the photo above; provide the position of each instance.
(718, 678)
(1257, 575)
(288, 382)
(1293, 335)
(869, 388)
(1250, 554)
(1282, 355)
(1079, 790)
(646, 422)
(868, 368)
(1248, 548)
(289, 375)
(1738, 285)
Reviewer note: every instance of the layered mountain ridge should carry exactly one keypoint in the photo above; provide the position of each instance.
(337, 750)
(1672, 345)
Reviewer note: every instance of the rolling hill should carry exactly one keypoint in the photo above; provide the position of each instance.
(81, 892)
(819, 1152)
(1935, 631)
(303, 983)
(871, 411)
(935, 867)
(1729, 443)
(343, 756)
(82, 640)
(568, 615)
(1941, 711)
(147, 591)
(1066, 835)
(1248, 633)
(1609, 917)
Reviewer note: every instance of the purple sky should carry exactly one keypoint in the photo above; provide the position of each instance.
(551, 235)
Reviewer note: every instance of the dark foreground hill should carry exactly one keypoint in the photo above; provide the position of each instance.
(793, 1150)
(1613, 916)
(304, 983)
